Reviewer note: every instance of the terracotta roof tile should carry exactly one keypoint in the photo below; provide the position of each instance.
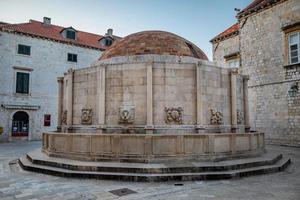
(153, 42)
(257, 5)
(232, 30)
(53, 32)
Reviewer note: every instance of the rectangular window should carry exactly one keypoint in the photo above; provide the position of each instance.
(72, 57)
(233, 63)
(47, 120)
(70, 34)
(22, 83)
(23, 49)
(294, 48)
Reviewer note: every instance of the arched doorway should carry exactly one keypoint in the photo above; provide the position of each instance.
(20, 124)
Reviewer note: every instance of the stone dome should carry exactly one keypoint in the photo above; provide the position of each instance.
(153, 42)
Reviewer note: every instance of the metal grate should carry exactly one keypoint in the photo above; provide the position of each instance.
(13, 162)
(122, 192)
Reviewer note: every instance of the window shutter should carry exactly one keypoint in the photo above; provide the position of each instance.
(22, 83)
(19, 82)
(75, 58)
(26, 83)
(24, 49)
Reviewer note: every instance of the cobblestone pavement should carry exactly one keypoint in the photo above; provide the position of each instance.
(18, 184)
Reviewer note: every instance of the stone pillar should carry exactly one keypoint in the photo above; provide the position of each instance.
(234, 74)
(60, 81)
(199, 116)
(101, 98)
(149, 127)
(246, 103)
(70, 98)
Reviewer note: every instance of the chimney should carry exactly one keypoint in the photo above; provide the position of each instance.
(109, 32)
(47, 21)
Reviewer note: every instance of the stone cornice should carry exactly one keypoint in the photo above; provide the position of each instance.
(20, 107)
(219, 39)
(258, 8)
(291, 27)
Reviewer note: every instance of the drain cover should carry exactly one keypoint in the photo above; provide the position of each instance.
(178, 184)
(13, 162)
(122, 192)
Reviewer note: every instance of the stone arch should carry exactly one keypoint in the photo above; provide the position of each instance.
(11, 123)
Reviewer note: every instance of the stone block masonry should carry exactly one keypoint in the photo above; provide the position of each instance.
(274, 107)
(262, 43)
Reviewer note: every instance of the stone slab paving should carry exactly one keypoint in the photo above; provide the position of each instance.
(18, 184)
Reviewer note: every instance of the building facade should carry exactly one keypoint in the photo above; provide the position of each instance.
(32, 56)
(265, 43)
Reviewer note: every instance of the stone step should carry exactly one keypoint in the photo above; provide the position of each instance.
(279, 166)
(39, 158)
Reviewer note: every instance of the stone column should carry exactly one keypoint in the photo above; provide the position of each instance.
(60, 81)
(101, 98)
(199, 116)
(246, 103)
(149, 127)
(70, 98)
(234, 74)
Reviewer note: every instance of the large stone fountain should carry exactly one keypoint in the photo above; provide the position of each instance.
(153, 97)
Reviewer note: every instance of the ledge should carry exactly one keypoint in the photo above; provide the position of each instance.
(21, 107)
(290, 66)
(147, 148)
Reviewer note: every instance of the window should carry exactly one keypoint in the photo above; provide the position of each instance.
(47, 120)
(22, 83)
(71, 34)
(294, 48)
(23, 49)
(72, 57)
(108, 42)
(233, 63)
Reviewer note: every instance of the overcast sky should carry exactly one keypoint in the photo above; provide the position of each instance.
(196, 20)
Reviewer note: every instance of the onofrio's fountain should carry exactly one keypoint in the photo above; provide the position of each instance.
(153, 97)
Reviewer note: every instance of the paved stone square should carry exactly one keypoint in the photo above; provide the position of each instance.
(18, 184)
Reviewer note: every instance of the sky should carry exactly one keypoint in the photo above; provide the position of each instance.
(196, 20)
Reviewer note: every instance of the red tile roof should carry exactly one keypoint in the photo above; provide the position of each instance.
(3, 23)
(53, 32)
(231, 31)
(153, 42)
(257, 5)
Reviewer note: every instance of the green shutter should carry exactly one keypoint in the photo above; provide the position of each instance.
(22, 83)
(26, 83)
(19, 83)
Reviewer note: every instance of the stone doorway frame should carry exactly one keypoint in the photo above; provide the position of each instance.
(30, 125)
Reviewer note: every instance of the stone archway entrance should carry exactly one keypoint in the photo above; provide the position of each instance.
(20, 124)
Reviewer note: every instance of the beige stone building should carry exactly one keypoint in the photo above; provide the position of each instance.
(32, 56)
(265, 44)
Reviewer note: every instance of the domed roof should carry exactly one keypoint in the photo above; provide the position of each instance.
(153, 42)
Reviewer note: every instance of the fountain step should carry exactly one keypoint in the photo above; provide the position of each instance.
(39, 158)
(279, 165)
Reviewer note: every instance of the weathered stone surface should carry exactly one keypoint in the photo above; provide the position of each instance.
(262, 44)
(159, 147)
(173, 85)
(285, 185)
